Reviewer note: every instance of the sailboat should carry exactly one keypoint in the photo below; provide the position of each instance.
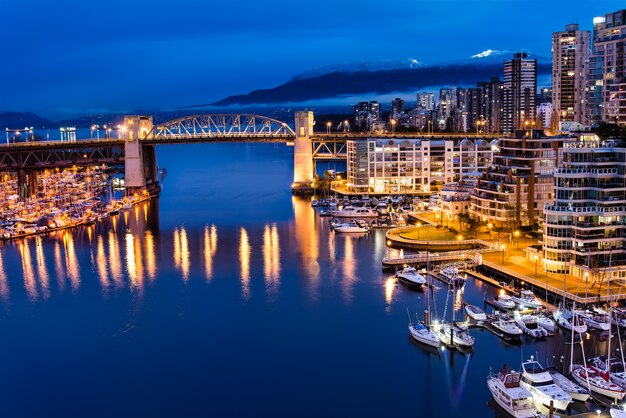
(421, 331)
(452, 334)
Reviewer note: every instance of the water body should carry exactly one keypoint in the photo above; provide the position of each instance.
(229, 297)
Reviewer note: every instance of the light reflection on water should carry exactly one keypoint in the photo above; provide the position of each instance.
(244, 260)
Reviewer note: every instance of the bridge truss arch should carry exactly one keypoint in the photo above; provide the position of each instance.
(222, 126)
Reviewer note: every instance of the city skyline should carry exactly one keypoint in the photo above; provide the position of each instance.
(66, 63)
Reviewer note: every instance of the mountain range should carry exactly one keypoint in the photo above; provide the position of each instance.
(353, 80)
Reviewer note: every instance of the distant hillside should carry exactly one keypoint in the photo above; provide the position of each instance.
(339, 84)
(18, 120)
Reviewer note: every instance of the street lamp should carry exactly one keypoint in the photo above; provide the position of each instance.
(516, 233)
(536, 259)
(489, 227)
(478, 124)
(328, 124)
(393, 126)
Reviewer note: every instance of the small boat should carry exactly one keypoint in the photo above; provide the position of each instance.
(410, 277)
(507, 326)
(595, 321)
(351, 227)
(460, 336)
(451, 276)
(475, 313)
(503, 301)
(578, 393)
(509, 395)
(352, 212)
(527, 299)
(618, 411)
(597, 381)
(422, 333)
(528, 324)
(568, 320)
(539, 382)
(545, 322)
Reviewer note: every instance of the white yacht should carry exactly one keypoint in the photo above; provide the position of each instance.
(460, 336)
(451, 275)
(545, 322)
(422, 333)
(352, 212)
(528, 324)
(539, 382)
(503, 301)
(578, 393)
(568, 320)
(595, 321)
(507, 326)
(410, 277)
(597, 382)
(615, 367)
(618, 411)
(351, 227)
(527, 299)
(507, 392)
(475, 313)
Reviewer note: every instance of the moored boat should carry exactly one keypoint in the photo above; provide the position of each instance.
(540, 383)
(528, 324)
(527, 299)
(577, 392)
(503, 301)
(509, 395)
(506, 325)
(410, 277)
(475, 313)
(596, 381)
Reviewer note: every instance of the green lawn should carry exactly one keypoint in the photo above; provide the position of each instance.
(430, 234)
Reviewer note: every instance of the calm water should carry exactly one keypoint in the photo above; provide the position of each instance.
(228, 297)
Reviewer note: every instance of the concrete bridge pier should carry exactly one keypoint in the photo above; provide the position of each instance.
(26, 184)
(139, 159)
(303, 154)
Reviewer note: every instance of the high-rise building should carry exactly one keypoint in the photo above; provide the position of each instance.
(374, 109)
(446, 106)
(520, 88)
(570, 57)
(512, 191)
(397, 107)
(585, 227)
(366, 114)
(425, 100)
(607, 70)
(491, 105)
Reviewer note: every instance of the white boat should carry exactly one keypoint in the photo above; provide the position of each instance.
(503, 301)
(351, 227)
(410, 277)
(539, 382)
(618, 411)
(568, 320)
(451, 275)
(545, 322)
(507, 392)
(507, 326)
(460, 336)
(381, 208)
(578, 393)
(475, 313)
(597, 382)
(422, 333)
(527, 299)
(352, 212)
(595, 321)
(528, 324)
(614, 366)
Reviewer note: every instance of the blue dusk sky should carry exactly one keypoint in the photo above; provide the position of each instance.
(64, 58)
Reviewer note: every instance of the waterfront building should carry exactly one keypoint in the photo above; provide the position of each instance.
(511, 192)
(585, 224)
(425, 101)
(607, 71)
(454, 200)
(570, 57)
(520, 88)
(386, 165)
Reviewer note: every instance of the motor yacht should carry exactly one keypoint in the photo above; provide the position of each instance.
(351, 227)
(507, 326)
(595, 321)
(528, 324)
(503, 301)
(475, 313)
(540, 383)
(409, 276)
(510, 395)
(352, 212)
(527, 299)
(460, 336)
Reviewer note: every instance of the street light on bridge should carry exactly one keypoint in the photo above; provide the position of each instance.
(328, 125)
(393, 126)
